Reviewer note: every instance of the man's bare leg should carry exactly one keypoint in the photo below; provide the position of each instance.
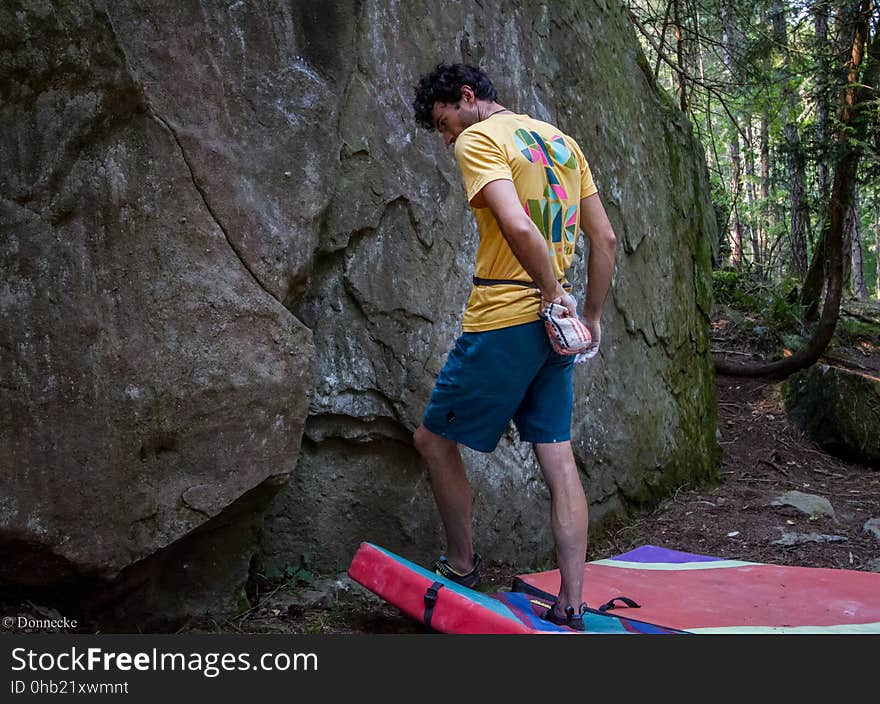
(568, 516)
(453, 495)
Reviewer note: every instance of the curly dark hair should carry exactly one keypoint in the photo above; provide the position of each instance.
(444, 84)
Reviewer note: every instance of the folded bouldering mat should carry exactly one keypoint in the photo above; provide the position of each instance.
(676, 592)
(450, 608)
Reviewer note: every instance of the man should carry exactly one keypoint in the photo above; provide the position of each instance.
(530, 188)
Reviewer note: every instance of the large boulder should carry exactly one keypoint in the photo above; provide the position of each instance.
(151, 374)
(839, 409)
(223, 236)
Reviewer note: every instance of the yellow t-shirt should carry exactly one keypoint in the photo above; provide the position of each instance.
(551, 177)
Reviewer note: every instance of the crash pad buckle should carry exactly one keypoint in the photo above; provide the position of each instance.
(431, 601)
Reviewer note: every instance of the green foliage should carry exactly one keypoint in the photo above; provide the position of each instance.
(852, 331)
(771, 316)
(735, 288)
(724, 280)
(791, 341)
(771, 310)
(293, 575)
(782, 308)
(742, 71)
(869, 269)
(870, 248)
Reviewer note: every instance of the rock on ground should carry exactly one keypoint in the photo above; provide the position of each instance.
(809, 504)
(872, 527)
(839, 409)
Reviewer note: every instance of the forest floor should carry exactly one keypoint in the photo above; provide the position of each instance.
(763, 456)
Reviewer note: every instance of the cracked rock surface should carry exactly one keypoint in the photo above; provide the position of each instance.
(151, 376)
(392, 273)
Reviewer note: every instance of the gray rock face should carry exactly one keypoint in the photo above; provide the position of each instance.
(392, 272)
(222, 235)
(809, 504)
(151, 375)
(839, 409)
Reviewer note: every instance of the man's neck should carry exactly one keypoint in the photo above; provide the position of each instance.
(486, 110)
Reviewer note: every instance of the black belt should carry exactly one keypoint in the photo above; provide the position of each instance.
(510, 282)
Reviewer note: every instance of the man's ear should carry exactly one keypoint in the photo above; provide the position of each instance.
(467, 94)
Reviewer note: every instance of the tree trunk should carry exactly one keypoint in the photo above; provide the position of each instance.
(822, 49)
(797, 179)
(877, 238)
(853, 225)
(852, 129)
(710, 150)
(750, 194)
(778, 223)
(847, 244)
(814, 281)
(736, 252)
(852, 243)
(798, 191)
(679, 56)
(763, 191)
(662, 39)
(834, 73)
(736, 247)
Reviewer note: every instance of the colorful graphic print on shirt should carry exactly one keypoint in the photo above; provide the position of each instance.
(554, 219)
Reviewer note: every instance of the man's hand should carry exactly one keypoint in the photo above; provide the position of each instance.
(595, 328)
(566, 299)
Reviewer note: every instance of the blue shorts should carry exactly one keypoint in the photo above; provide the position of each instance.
(494, 376)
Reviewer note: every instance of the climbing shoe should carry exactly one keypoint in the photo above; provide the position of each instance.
(572, 620)
(471, 580)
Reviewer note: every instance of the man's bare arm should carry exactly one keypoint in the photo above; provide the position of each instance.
(526, 242)
(595, 224)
